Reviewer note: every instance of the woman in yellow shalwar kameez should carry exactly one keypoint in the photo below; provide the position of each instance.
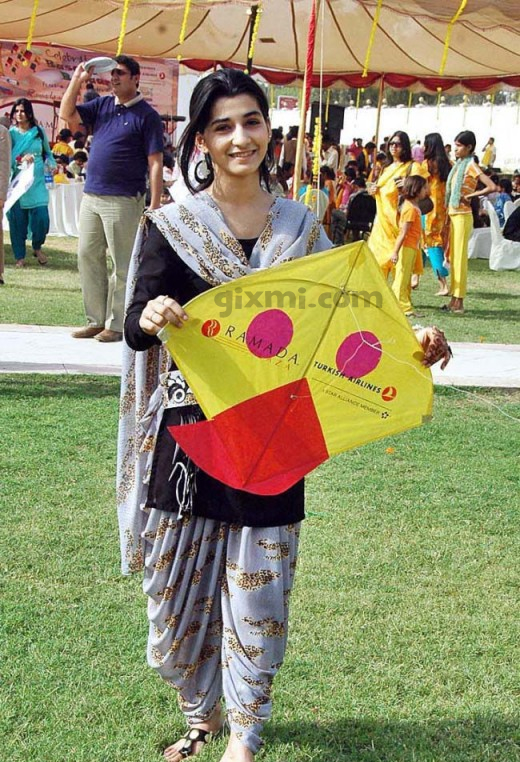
(436, 223)
(386, 191)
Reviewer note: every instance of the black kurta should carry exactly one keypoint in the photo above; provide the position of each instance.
(161, 271)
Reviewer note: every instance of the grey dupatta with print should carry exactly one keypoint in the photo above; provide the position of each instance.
(198, 233)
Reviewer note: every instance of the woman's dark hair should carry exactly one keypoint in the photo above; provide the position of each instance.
(225, 83)
(506, 185)
(168, 160)
(328, 172)
(406, 148)
(466, 138)
(350, 173)
(435, 154)
(413, 185)
(27, 107)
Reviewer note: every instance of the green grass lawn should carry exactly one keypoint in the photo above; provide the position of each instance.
(51, 296)
(405, 637)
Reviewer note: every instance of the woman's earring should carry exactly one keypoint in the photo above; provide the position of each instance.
(203, 169)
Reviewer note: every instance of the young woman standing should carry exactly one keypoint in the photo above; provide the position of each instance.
(399, 165)
(31, 211)
(460, 189)
(218, 562)
(436, 222)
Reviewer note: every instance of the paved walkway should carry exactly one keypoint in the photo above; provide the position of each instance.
(44, 349)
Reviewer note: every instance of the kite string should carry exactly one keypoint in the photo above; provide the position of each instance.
(378, 346)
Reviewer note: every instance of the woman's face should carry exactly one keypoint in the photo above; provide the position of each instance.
(237, 136)
(396, 147)
(462, 151)
(20, 117)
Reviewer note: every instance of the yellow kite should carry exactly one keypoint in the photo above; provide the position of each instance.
(294, 364)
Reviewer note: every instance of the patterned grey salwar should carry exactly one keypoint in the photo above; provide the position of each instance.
(218, 612)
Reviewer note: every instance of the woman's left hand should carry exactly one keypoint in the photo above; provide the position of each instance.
(28, 158)
(435, 346)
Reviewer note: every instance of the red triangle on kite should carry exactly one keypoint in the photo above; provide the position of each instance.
(244, 445)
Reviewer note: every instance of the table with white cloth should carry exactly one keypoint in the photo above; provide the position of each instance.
(64, 202)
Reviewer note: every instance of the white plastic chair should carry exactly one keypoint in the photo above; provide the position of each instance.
(509, 207)
(505, 254)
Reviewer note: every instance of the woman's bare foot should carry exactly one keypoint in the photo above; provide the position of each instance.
(236, 751)
(443, 290)
(40, 256)
(212, 725)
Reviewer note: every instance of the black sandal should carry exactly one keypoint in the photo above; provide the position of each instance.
(193, 736)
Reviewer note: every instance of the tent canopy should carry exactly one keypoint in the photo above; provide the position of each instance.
(484, 51)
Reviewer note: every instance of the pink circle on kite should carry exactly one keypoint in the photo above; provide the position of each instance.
(269, 333)
(359, 354)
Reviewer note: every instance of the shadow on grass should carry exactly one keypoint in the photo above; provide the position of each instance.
(17, 387)
(46, 289)
(58, 259)
(493, 295)
(478, 737)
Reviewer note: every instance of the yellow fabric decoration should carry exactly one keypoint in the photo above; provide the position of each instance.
(372, 37)
(123, 28)
(310, 195)
(32, 24)
(184, 25)
(448, 36)
(251, 51)
(358, 96)
(327, 104)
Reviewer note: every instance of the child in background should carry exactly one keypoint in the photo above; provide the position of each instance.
(408, 241)
(506, 189)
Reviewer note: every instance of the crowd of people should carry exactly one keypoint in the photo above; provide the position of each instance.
(359, 192)
(363, 190)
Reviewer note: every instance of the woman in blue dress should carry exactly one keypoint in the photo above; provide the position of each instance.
(31, 211)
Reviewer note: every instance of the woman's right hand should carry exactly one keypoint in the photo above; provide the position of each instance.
(160, 311)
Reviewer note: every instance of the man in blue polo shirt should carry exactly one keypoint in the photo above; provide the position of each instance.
(127, 144)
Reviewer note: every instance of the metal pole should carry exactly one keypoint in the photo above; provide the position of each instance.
(379, 107)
